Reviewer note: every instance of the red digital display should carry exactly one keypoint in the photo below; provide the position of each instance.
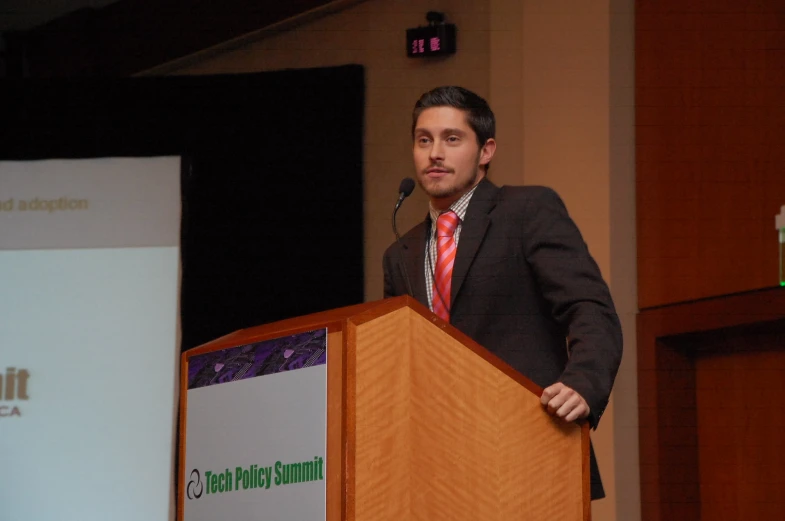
(431, 40)
(434, 45)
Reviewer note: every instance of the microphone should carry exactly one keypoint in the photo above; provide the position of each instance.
(404, 191)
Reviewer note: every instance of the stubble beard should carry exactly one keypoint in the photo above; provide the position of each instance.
(442, 192)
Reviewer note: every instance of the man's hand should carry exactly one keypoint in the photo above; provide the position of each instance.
(563, 402)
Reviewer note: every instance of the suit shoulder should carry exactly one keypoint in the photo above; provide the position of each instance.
(391, 249)
(528, 193)
(409, 239)
(530, 198)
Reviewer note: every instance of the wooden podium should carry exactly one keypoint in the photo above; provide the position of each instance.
(425, 424)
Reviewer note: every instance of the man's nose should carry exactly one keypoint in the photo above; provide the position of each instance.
(437, 151)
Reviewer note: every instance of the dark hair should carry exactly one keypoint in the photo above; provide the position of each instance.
(478, 112)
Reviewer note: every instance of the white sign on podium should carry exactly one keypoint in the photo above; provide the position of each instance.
(256, 431)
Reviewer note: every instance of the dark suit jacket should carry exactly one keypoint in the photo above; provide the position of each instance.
(523, 283)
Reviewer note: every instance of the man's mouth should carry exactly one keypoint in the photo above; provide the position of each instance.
(436, 173)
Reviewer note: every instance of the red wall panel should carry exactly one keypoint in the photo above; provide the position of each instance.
(710, 146)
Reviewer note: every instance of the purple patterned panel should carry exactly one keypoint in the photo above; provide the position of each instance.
(271, 356)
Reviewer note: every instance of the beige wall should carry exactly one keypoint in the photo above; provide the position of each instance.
(559, 76)
(623, 253)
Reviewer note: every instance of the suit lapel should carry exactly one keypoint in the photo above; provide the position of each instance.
(473, 230)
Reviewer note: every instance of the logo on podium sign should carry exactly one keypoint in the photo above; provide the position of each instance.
(195, 487)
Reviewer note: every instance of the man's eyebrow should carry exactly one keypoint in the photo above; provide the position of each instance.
(450, 131)
(444, 132)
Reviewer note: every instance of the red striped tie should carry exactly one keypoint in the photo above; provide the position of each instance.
(445, 250)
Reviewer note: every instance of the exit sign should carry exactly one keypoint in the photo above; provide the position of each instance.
(430, 40)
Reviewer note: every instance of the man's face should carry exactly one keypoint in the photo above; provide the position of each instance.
(446, 155)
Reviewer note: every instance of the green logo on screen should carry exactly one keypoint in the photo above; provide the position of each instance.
(13, 388)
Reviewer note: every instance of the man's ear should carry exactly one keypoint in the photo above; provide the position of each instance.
(487, 152)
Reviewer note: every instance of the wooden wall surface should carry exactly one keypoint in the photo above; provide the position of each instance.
(710, 146)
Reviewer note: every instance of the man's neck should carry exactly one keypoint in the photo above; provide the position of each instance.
(443, 204)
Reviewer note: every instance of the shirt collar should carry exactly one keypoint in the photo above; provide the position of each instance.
(459, 207)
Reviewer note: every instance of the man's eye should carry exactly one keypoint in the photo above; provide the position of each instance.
(453, 139)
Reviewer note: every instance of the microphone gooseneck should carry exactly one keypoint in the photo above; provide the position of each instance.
(404, 191)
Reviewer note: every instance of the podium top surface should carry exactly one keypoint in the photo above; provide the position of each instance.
(336, 320)
(333, 320)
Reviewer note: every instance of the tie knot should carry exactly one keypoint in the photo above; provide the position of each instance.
(446, 224)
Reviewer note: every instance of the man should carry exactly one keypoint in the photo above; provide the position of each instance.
(507, 266)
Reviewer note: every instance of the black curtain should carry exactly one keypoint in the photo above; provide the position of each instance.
(271, 184)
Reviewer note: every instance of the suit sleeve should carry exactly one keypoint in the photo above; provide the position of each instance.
(579, 299)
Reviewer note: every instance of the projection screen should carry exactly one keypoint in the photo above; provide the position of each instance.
(89, 338)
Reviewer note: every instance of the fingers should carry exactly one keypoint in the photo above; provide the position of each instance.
(549, 393)
(573, 409)
(563, 402)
